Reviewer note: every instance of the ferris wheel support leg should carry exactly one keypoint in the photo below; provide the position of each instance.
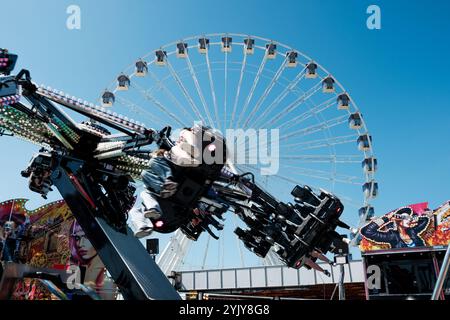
(131, 267)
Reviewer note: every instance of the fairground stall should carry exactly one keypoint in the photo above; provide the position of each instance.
(403, 252)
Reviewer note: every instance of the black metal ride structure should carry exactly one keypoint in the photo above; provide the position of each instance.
(94, 165)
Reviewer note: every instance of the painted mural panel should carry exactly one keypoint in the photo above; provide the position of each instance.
(49, 237)
(408, 227)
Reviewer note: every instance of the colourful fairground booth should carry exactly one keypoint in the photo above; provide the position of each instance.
(403, 252)
(46, 256)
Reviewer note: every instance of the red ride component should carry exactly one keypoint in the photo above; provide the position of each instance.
(81, 190)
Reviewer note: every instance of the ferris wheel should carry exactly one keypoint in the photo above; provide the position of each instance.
(306, 128)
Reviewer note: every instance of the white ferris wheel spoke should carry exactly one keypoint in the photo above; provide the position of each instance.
(292, 106)
(324, 158)
(310, 174)
(199, 90)
(321, 126)
(316, 128)
(325, 175)
(206, 252)
(238, 89)
(252, 90)
(267, 91)
(239, 243)
(213, 91)
(279, 98)
(225, 95)
(136, 109)
(169, 94)
(321, 143)
(157, 103)
(309, 113)
(184, 91)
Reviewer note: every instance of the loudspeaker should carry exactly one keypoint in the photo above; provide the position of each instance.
(153, 246)
(341, 247)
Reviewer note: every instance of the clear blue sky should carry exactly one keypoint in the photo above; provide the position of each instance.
(399, 75)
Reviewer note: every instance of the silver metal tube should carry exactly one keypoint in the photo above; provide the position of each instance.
(442, 275)
(341, 283)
